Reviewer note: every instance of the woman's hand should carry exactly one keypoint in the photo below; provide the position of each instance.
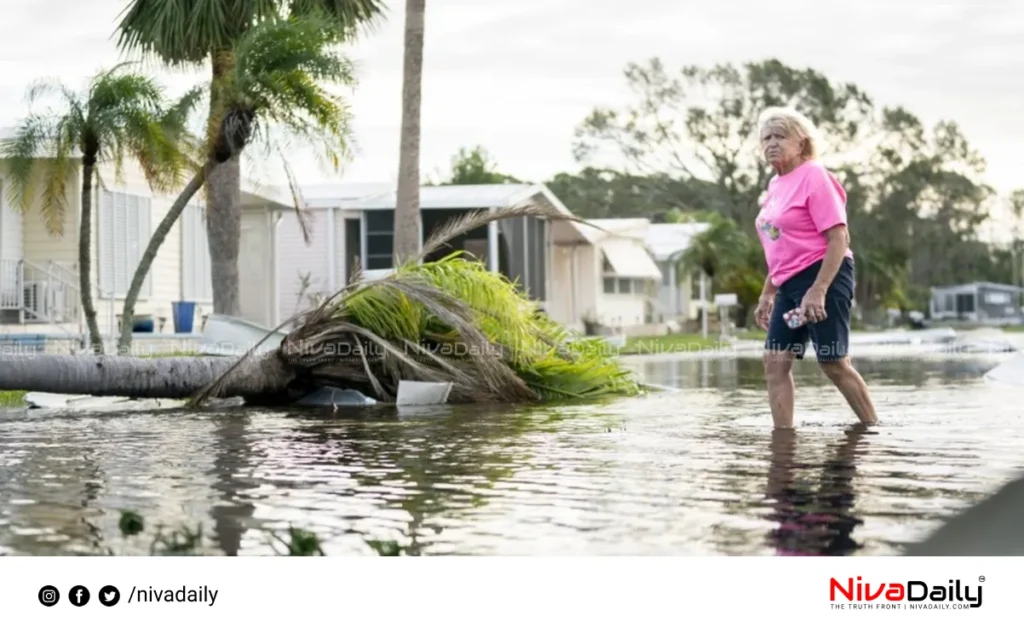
(763, 311)
(813, 305)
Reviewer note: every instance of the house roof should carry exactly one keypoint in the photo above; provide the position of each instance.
(977, 285)
(254, 194)
(634, 228)
(666, 240)
(341, 195)
(379, 197)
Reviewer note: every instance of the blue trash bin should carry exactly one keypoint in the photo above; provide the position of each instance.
(184, 313)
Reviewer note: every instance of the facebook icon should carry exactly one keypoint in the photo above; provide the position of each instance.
(79, 596)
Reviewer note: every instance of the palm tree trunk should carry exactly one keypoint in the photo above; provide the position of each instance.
(124, 342)
(130, 377)
(408, 219)
(224, 208)
(85, 256)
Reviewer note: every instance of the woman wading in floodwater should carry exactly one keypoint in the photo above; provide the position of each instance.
(809, 289)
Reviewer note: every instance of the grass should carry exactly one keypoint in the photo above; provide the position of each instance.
(684, 342)
(9, 399)
(185, 540)
(751, 335)
(670, 343)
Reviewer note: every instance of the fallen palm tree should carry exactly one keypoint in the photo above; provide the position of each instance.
(450, 320)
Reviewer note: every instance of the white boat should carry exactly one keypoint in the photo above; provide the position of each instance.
(44, 400)
(231, 336)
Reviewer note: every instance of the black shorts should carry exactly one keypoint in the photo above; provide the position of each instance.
(832, 336)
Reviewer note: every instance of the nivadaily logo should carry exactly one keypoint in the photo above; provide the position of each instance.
(913, 594)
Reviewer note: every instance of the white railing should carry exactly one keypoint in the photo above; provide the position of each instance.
(40, 292)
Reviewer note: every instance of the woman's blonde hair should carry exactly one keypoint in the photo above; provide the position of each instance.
(793, 122)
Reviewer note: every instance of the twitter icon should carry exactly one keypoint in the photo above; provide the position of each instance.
(109, 596)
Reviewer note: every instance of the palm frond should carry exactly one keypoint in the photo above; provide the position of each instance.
(449, 320)
(57, 173)
(349, 16)
(184, 32)
(302, 212)
(280, 69)
(32, 141)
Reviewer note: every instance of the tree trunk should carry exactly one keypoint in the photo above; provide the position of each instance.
(130, 377)
(223, 206)
(408, 220)
(124, 342)
(85, 256)
(224, 233)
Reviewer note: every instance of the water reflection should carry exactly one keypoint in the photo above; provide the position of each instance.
(402, 480)
(814, 510)
(49, 492)
(693, 472)
(733, 372)
(232, 464)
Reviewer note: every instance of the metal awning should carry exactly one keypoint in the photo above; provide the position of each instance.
(628, 258)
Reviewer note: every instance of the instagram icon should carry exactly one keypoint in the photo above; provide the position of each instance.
(49, 596)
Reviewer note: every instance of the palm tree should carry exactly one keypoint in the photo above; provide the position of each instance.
(189, 33)
(276, 78)
(450, 320)
(714, 250)
(408, 220)
(120, 114)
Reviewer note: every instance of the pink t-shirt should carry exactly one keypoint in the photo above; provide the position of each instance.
(799, 208)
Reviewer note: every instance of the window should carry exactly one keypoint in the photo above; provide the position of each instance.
(380, 239)
(624, 285)
(196, 275)
(124, 231)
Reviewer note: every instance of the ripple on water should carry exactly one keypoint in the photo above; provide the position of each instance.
(693, 472)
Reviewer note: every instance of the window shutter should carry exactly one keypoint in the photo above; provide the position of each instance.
(203, 253)
(145, 232)
(133, 250)
(120, 242)
(188, 254)
(105, 213)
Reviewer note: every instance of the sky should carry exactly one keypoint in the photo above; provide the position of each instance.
(517, 77)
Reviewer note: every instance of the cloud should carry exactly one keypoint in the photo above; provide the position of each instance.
(518, 77)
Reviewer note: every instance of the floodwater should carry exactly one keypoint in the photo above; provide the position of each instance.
(692, 472)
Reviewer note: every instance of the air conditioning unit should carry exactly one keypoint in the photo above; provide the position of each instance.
(37, 300)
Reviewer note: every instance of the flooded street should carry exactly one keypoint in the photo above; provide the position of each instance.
(693, 472)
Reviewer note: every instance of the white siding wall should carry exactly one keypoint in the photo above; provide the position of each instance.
(613, 310)
(256, 268)
(125, 242)
(11, 236)
(196, 277)
(297, 259)
(573, 283)
(621, 310)
(38, 245)
(10, 227)
(119, 241)
(680, 304)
